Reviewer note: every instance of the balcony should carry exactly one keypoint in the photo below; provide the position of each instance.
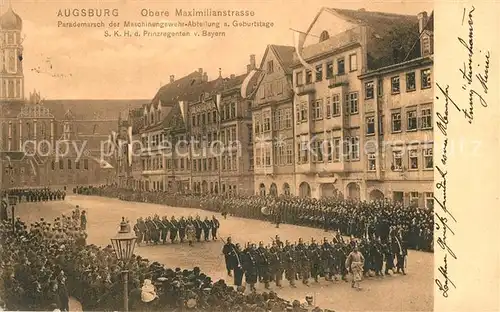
(305, 89)
(337, 81)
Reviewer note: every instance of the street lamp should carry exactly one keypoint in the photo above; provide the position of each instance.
(12, 204)
(123, 244)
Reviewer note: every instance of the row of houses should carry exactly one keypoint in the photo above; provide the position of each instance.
(351, 114)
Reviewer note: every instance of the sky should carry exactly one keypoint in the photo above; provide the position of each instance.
(81, 63)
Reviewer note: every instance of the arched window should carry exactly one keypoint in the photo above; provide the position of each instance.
(324, 36)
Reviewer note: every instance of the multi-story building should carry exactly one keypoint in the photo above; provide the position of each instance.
(328, 100)
(188, 158)
(398, 162)
(272, 112)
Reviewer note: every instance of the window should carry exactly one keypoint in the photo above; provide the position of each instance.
(396, 121)
(426, 78)
(426, 45)
(412, 120)
(319, 72)
(303, 112)
(428, 159)
(395, 85)
(69, 163)
(369, 90)
(299, 78)
(288, 118)
(336, 149)
(270, 67)
(413, 159)
(329, 70)
(233, 110)
(303, 150)
(268, 156)
(340, 66)
(397, 161)
(77, 164)
(336, 105)
(352, 102)
(267, 122)
(426, 119)
(61, 164)
(214, 116)
(353, 62)
(414, 199)
(329, 149)
(86, 164)
(289, 154)
(410, 82)
(398, 197)
(317, 110)
(429, 200)
(282, 154)
(370, 125)
(308, 77)
(372, 164)
(53, 165)
(256, 123)
(317, 151)
(328, 108)
(354, 148)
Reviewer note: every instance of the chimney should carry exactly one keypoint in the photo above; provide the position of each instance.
(205, 77)
(422, 20)
(220, 72)
(252, 61)
(200, 71)
(172, 78)
(233, 76)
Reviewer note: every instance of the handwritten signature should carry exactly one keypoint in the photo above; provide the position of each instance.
(468, 72)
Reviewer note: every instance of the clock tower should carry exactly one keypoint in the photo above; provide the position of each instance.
(11, 57)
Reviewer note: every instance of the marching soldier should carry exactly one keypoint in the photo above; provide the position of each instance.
(290, 264)
(215, 227)
(206, 226)
(166, 226)
(198, 226)
(173, 229)
(182, 229)
(277, 261)
(263, 265)
(238, 266)
(315, 258)
(250, 266)
(326, 259)
(229, 252)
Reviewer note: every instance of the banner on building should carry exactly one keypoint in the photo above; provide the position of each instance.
(299, 39)
(246, 83)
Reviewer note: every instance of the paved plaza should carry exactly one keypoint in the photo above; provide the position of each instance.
(413, 292)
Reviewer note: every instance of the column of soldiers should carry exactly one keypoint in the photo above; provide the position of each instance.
(306, 261)
(35, 195)
(155, 230)
(352, 217)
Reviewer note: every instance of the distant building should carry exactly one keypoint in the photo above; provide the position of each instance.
(81, 124)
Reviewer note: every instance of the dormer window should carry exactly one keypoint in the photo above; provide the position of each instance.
(152, 117)
(324, 36)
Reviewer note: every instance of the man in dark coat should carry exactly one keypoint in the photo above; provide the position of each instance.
(215, 227)
(229, 252)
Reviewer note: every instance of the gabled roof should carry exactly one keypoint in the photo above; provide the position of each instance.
(284, 54)
(171, 93)
(391, 38)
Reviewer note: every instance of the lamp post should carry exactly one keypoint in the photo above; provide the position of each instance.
(12, 204)
(123, 244)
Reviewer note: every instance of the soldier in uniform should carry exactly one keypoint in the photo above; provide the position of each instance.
(263, 265)
(198, 226)
(315, 258)
(165, 227)
(83, 220)
(277, 263)
(290, 264)
(304, 263)
(173, 229)
(215, 227)
(326, 256)
(229, 252)
(182, 229)
(238, 265)
(206, 226)
(250, 265)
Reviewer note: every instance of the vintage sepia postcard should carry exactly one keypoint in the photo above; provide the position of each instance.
(249, 155)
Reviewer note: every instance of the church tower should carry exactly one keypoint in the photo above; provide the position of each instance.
(11, 57)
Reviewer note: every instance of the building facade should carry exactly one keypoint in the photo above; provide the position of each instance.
(179, 148)
(332, 103)
(273, 121)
